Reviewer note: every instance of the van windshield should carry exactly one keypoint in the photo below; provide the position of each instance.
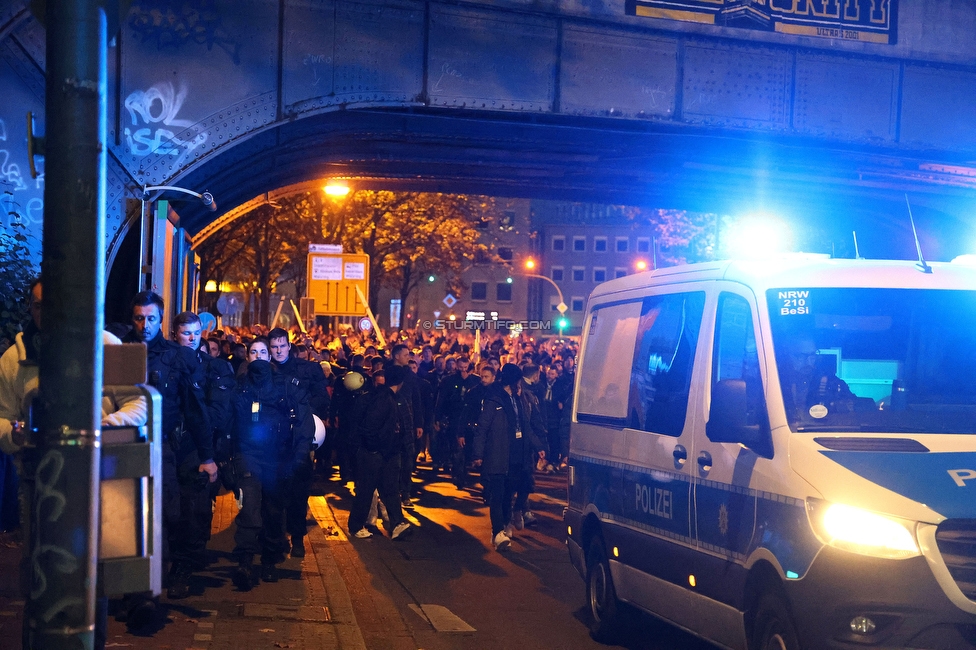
(876, 360)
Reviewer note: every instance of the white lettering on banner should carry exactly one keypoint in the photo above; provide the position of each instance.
(155, 108)
(960, 476)
(656, 501)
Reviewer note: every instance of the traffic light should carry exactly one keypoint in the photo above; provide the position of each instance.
(562, 323)
(431, 277)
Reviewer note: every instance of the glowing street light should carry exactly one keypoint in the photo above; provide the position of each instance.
(561, 307)
(336, 188)
(641, 265)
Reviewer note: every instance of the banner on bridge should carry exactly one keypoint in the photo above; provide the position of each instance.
(870, 21)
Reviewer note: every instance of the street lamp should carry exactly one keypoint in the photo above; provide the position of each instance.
(561, 307)
(149, 257)
(336, 188)
(206, 198)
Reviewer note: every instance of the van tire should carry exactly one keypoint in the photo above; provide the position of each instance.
(773, 628)
(601, 598)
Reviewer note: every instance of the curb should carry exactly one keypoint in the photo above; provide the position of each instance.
(340, 604)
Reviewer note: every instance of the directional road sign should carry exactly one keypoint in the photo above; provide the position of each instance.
(332, 282)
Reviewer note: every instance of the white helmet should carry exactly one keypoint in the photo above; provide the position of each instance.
(353, 381)
(319, 431)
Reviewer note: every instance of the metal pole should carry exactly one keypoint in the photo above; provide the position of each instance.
(64, 512)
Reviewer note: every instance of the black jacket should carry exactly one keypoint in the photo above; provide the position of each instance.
(176, 372)
(282, 442)
(496, 442)
(412, 392)
(311, 380)
(449, 410)
(381, 429)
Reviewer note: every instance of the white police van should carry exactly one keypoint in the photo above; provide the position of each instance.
(781, 454)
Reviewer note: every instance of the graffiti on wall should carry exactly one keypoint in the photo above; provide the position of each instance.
(156, 125)
(14, 201)
(171, 24)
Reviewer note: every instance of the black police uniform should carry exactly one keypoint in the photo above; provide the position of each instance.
(271, 429)
(314, 390)
(175, 372)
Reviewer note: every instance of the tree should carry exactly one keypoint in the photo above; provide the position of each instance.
(407, 236)
(266, 246)
(679, 236)
(17, 269)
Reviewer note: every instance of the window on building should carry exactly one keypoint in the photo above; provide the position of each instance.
(479, 291)
(599, 274)
(557, 274)
(505, 253)
(554, 303)
(483, 224)
(643, 244)
(576, 303)
(579, 274)
(600, 244)
(482, 257)
(507, 221)
(503, 292)
(559, 243)
(579, 244)
(619, 272)
(623, 244)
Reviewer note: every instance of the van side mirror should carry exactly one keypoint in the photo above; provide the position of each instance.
(731, 418)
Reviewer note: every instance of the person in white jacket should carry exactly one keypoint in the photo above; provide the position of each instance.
(19, 378)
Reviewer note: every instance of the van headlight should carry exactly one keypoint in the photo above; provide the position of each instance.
(862, 531)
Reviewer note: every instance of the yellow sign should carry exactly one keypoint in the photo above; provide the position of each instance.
(333, 280)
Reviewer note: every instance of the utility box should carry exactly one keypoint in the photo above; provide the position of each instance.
(130, 558)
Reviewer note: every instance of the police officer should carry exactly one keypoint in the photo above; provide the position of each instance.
(308, 377)
(219, 381)
(188, 465)
(271, 429)
(448, 413)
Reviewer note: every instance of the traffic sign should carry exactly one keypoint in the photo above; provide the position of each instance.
(562, 307)
(208, 321)
(333, 280)
(449, 300)
(365, 325)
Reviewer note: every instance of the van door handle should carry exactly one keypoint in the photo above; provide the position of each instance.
(705, 461)
(680, 456)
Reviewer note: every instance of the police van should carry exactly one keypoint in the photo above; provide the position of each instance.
(780, 454)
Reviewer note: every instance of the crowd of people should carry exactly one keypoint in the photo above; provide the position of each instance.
(259, 411)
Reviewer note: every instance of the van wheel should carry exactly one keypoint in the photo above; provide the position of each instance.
(773, 628)
(605, 616)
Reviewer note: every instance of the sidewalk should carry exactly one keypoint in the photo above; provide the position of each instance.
(307, 609)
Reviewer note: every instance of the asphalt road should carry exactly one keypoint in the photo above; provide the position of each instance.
(529, 597)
